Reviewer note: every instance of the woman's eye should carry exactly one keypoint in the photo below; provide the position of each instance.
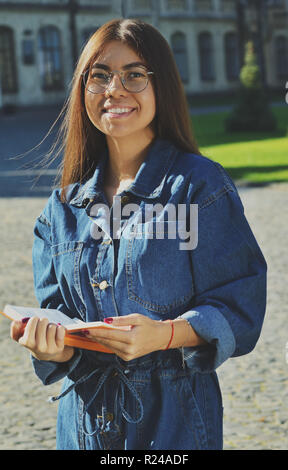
(100, 76)
(135, 75)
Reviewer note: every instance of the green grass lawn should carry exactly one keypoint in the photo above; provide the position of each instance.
(252, 157)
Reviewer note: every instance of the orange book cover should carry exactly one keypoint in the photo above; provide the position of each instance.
(73, 326)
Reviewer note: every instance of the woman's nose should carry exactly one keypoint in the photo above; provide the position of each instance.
(115, 85)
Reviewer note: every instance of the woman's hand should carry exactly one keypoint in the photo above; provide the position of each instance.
(145, 336)
(44, 340)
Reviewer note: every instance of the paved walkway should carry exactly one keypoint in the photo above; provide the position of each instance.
(255, 387)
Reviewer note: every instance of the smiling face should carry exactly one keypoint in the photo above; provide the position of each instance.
(119, 113)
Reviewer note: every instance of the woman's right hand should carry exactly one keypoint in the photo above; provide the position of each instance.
(44, 340)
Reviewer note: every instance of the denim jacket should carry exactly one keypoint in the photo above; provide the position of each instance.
(90, 263)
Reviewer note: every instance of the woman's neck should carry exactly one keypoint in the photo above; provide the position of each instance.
(125, 158)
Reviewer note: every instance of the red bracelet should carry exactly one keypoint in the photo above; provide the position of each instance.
(172, 334)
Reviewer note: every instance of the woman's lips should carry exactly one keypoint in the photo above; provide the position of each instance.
(111, 114)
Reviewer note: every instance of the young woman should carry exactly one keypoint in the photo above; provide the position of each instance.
(191, 305)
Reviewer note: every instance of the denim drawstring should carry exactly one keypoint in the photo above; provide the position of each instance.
(105, 425)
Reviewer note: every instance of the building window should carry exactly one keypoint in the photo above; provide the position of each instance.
(275, 3)
(87, 33)
(281, 56)
(206, 56)
(179, 48)
(257, 46)
(7, 61)
(203, 5)
(228, 6)
(142, 5)
(232, 60)
(28, 51)
(176, 5)
(50, 63)
(28, 56)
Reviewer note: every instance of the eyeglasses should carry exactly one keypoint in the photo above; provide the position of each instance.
(133, 80)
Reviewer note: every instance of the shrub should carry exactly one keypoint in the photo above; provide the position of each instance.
(252, 111)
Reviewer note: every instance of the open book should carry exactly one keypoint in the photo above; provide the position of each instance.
(74, 326)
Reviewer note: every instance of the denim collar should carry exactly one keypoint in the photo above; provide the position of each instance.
(149, 180)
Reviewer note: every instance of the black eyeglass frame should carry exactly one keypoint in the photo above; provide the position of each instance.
(111, 74)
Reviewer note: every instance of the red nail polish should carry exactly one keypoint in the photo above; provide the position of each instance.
(108, 320)
(25, 319)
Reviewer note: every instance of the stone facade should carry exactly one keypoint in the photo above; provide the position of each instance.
(40, 41)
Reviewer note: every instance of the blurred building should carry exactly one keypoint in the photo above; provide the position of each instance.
(40, 41)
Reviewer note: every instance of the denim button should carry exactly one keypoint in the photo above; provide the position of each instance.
(126, 371)
(103, 285)
(125, 200)
(107, 242)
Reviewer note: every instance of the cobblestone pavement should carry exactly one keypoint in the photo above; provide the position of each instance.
(254, 387)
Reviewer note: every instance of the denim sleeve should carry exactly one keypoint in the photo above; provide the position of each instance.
(229, 273)
(48, 295)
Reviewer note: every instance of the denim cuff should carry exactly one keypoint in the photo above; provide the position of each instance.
(212, 326)
(50, 372)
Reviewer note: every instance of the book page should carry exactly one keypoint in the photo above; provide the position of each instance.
(56, 316)
(53, 315)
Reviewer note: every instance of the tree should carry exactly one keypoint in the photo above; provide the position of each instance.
(250, 76)
(252, 111)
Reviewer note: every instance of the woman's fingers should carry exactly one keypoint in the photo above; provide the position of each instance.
(28, 339)
(144, 336)
(107, 334)
(125, 335)
(16, 330)
(125, 320)
(126, 351)
(40, 336)
(59, 337)
(44, 340)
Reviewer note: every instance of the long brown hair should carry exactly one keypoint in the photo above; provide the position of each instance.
(81, 141)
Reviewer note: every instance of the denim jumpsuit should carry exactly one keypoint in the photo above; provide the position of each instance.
(91, 263)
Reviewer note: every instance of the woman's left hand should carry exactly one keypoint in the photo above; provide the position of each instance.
(145, 336)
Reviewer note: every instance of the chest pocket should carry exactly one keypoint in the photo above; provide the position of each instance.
(66, 259)
(158, 272)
